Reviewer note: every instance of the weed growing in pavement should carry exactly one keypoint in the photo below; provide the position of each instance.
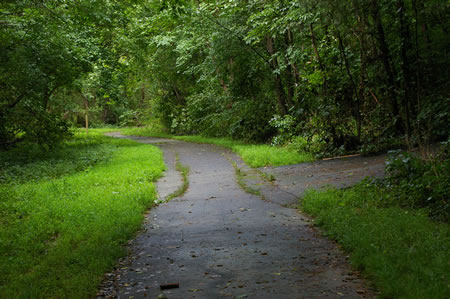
(240, 180)
(66, 214)
(184, 170)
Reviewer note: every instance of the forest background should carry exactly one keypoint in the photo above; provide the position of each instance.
(324, 76)
(300, 78)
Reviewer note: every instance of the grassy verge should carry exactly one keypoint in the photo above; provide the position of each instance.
(65, 214)
(401, 250)
(255, 155)
(144, 131)
(266, 155)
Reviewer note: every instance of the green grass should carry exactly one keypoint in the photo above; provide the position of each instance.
(265, 155)
(184, 170)
(402, 251)
(255, 155)
(144, 131)
(65, 215)
(241, 181)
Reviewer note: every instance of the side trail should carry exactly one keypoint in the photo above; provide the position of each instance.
(217, 241)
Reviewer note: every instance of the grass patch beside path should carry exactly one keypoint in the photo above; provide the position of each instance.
(144, 131)
(65, 215)
(402, 251)
(255, 155)
(265, 155)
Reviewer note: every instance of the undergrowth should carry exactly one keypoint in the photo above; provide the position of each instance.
(66, 214)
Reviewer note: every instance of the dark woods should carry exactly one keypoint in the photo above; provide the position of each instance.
(346, 75)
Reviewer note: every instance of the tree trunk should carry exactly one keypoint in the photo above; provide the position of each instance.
(290, 76)
(279, 89)
(407, 76)
(178, 95)
(86, 115)
(355, 90)
(296, 75)
(316, 51)
(386, 58)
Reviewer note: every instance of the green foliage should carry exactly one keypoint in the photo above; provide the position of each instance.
(417, 183)
(402, 251)
(67, 214)
(299, 144)
(286, 129)
(346, 75)
(29, 164)
(41, 50)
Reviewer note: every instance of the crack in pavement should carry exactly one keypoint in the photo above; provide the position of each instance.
(217, 241)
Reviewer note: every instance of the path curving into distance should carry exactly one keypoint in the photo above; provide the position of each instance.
(218, 241)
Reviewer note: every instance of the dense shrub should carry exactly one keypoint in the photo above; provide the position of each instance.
(415, 182)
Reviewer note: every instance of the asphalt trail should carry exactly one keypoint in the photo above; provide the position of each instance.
(217, 241)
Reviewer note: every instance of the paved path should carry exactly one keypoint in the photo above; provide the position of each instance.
(217, 241)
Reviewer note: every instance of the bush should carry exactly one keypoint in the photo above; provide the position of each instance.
(47, 130)
(285, 126)
(418, 183)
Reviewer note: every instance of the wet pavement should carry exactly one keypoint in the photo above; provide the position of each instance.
(217, 241)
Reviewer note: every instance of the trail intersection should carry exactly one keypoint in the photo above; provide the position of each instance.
(218, 241)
